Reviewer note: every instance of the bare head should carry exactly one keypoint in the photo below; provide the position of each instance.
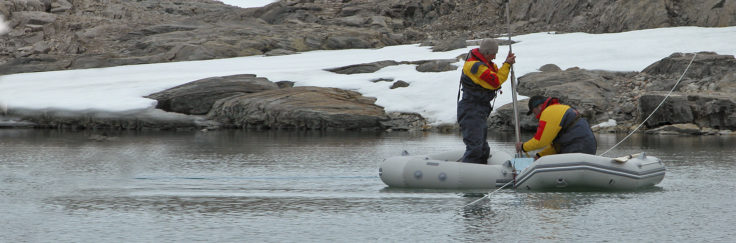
(489, 48)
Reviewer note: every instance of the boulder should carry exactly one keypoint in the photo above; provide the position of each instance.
(285, 84)
(589, 91)
(301, 108)
(350, 40)
(405, 121)
(712, 111)
(33, 18)
(144, 119)
(399, 84)
(279, 52)
(708, 72)
(450, 44)
(197, 97)
(437, 65)
(60, 6)
(674, 110)
(550, 68)
(676, 129)
(363, 68)
(503, 118)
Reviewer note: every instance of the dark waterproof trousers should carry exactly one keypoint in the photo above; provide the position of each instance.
(472, 115)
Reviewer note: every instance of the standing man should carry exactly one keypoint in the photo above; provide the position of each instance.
(480, 80)
(561, 129)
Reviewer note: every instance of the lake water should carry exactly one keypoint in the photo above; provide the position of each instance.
(296, 186)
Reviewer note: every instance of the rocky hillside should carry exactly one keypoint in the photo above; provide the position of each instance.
(70, 34)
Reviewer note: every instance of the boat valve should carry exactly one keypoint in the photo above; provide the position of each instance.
(561, 182)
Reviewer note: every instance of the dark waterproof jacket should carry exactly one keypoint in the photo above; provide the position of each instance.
(561, 130)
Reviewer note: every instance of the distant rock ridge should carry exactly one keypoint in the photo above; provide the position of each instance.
(48, 35)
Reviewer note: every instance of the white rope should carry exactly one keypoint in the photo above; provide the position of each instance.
(490, 193)
(655, 109)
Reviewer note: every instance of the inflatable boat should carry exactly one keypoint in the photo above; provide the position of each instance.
(583, 172)
(442, 171)
(553, 172)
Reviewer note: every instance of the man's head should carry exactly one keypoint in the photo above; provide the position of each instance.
(535, 104)
(489, 48)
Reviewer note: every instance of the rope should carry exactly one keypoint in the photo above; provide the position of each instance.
(490, 193)
(655, 109)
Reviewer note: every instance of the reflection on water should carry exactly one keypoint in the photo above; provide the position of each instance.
(295, 186)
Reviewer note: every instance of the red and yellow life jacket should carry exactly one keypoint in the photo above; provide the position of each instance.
(481, 73)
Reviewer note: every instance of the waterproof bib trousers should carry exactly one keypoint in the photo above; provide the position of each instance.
(472, 115)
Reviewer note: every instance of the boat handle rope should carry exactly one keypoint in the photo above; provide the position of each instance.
(655, 109)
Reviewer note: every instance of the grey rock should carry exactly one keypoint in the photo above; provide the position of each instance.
(706, 69)
(437, 66)
(33, 17)
(147, 119)
(676, 129)
(588, 91)
(162, 29)
(712, 111)
(503, 118)
(363, 68)
(59, 6)
(399, 84)
(549, 68)
(285, 84)
(382, 80)
(197, 97)
(301, 108)
(279, 52)
(348, 41)
(674, 110)
(450, 44)
(405, 121)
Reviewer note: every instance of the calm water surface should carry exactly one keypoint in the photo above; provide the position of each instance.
(246, 186)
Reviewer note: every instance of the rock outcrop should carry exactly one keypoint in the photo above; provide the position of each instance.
(301, 108)
(478, 18)
(147, 119)
(440, 65)
(704, 96)
(704, 110)
(197, 97)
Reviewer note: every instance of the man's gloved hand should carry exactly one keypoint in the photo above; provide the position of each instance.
(511, 58)
(520, 147)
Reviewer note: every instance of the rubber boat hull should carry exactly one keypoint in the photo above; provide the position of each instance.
(584, 171)
(553, 172)
(441, 171)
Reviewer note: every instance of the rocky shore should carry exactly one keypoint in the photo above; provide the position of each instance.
(47, 35)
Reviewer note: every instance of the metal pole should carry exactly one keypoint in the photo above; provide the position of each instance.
(513, 85)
